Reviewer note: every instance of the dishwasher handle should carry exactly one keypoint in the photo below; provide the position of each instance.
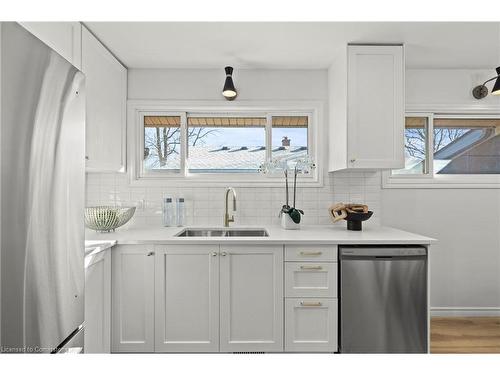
(382, 252)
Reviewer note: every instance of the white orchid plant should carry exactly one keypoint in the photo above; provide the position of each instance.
(286, 166)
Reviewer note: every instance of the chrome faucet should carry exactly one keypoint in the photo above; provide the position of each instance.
(229, 219)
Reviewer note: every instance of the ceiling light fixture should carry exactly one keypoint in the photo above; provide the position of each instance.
(481, 91)
(229, 92)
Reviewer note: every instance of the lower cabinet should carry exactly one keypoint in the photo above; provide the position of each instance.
(311, 324)
(133, 285)
(311, 312)
(219, 298)
(187, 298)
(98, 302)
(251, 296)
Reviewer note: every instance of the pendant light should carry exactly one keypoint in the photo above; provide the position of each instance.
(229, 92)
(481, 91)
(496, 86)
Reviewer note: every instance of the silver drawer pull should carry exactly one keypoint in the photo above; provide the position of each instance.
(308, 253)
(310, 304)
(214, 254)
(151, 253)
(311, 267)
(223, 253)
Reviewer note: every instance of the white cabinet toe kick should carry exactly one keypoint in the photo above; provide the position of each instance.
(202, 298)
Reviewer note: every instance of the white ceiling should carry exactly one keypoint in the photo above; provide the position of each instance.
(306, 45)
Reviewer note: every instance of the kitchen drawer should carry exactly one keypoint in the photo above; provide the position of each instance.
(307, 279)
(311, 324)
(308, 253)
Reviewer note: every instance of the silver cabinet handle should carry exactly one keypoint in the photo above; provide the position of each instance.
(310, 304)
(311, 267)
(309, 253)
(151, 253)
(223, 253)
(214, 254)
(352, 160)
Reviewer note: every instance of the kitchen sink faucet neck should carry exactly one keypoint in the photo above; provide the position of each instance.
(229, 219)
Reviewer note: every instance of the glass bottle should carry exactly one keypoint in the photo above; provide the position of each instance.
(180, 211)
(168, 212)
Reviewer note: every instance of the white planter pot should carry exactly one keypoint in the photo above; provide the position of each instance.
(288, 223)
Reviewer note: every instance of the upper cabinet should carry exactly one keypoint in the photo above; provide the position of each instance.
(106, 92)
(62, 37)
(366, 87)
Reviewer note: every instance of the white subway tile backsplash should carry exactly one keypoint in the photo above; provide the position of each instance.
(255, 205)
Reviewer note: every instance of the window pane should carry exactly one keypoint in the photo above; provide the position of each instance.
(415, 146)
(289, 137)
(226, 144)
(162, 143)
(466, 146)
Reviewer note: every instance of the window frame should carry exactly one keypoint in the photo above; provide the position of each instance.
(431, 180)
(137, 109)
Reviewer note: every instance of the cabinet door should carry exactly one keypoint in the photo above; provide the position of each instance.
(187, 298)
(106, 89)
(62, 37)
(375, 113)
(132, 299)
(311, 325)
(98, 302)
(251, 288)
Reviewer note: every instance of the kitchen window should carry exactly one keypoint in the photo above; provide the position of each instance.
(221, 146)
(449, 150)
(225, 144)
(162, 142)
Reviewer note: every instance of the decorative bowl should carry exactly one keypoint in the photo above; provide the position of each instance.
(107, 218)
(354, 219)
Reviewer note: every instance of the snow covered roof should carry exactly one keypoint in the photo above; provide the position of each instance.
(236, 159)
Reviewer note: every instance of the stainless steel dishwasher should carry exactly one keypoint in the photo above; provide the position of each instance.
(383, 299)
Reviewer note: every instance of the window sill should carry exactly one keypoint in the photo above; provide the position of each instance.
(440, 181)
(223, 181)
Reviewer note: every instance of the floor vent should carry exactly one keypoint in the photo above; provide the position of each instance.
(248, 352)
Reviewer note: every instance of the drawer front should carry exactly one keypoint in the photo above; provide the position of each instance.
(308, 253)
(307, 279)
(311, 324)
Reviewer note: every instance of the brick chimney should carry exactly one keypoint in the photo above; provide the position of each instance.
(285, 142)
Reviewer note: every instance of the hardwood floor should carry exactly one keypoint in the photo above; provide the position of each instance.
(465, 335)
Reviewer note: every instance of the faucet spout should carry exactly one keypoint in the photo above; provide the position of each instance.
(229, 218)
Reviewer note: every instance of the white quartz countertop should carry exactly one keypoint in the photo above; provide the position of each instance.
(93, 247)
(314, 234)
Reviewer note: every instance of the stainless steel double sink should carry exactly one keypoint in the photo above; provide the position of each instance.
(223, 232)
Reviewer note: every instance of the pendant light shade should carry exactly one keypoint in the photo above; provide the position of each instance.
(496, 86)
(229, 92)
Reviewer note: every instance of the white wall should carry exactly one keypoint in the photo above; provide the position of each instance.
(257, 206)
(440, 87)
(465, 264)
(206, 84)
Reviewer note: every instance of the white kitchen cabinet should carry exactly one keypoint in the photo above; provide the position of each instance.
(366, 90)
(98, 302)
(106, 88)
(187, 298)
(251, 298)
(307, 279)
(311, 253)
(311, 325)
(62, 37)
(133, 278)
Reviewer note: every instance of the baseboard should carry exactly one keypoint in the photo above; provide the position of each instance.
(465, 311)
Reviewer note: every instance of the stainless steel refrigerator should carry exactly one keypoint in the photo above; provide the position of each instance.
(42, 196)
